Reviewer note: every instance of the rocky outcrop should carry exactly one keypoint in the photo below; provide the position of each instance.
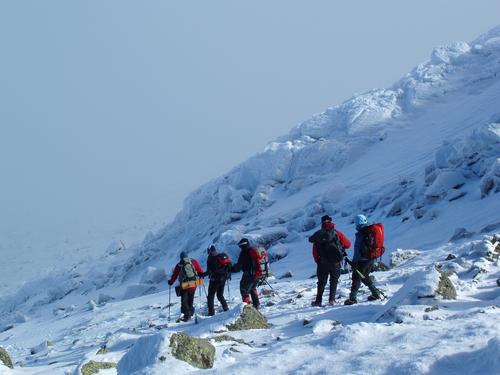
(445, 288)
(93, 367)
(5, 358)
(195, 351)
(250, 318)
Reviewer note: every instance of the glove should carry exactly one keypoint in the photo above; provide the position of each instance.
(170, 282)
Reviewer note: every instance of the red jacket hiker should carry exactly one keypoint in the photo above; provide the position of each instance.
(178, 268)
(344, 241)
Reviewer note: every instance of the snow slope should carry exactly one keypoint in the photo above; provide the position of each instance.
(422, 156)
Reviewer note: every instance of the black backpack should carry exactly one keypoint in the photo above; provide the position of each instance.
(222, 268)
(330, 249)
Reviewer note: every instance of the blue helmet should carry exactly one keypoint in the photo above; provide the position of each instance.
(360, 220)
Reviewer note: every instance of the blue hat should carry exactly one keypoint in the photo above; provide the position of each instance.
(183, 255)
(360, 220)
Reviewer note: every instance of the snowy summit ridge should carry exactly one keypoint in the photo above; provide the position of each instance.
(423, 157)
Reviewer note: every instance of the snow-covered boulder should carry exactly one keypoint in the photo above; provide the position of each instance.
(5, 358)
(153, 275)
(400, 256)
(445, 181)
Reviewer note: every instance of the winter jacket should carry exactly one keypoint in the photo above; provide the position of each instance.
(344, 241)
(178, 269)
(247, 261)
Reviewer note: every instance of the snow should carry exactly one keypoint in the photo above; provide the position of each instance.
(422, 156)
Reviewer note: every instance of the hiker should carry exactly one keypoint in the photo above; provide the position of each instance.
(366, 252)
(218, 271)
(189, 271)
(253, 261)
(329, 247)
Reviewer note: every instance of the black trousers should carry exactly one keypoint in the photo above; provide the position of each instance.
(216, 287)
(365, 267)
(187, 300)
(324, 271)
(248, 288)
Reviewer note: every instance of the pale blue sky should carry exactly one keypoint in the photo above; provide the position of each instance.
(111, 112)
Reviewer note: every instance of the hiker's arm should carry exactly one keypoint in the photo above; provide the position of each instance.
(198, 268)
(344, 241)
(175, 274)
(315, 253)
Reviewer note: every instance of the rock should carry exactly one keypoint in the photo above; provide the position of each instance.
(431, 308)
(195, 351)
(270, 303)
(250, 318)
(445, 288)
(229, 338)
(286, 275)
(93, 367)
(381, 267)
(400, 256)
(103, 299)
(103, 350)
(490, 228)
(5, 358)
(461, 233)
(451, 257)
(306, 322)
(266, 292)
(498, 281)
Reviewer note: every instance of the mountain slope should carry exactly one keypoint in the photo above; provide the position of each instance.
(422, 156)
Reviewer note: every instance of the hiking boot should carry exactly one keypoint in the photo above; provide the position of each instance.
(186, 318)
(332, 302)
(373, 297)
(350, 302)
(257, 307)
(316, 303)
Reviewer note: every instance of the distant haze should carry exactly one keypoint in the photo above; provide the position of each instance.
(111, 112)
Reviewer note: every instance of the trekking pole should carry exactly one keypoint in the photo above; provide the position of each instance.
(199, 307)
(274, 291)
(363, 276)
(169, 304)
(228, 292)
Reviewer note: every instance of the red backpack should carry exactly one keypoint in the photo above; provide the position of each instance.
(261, 259)
(374, 241)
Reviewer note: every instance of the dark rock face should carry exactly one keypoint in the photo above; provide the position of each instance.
(195, 351)
(5, 358)
(250, 318)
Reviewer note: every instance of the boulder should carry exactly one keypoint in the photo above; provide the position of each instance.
(401, 256)
(195, 351)
(445, 288)
(461, 233)
(93, 367)
(286, 275)
(250, 318)
(5, 358)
